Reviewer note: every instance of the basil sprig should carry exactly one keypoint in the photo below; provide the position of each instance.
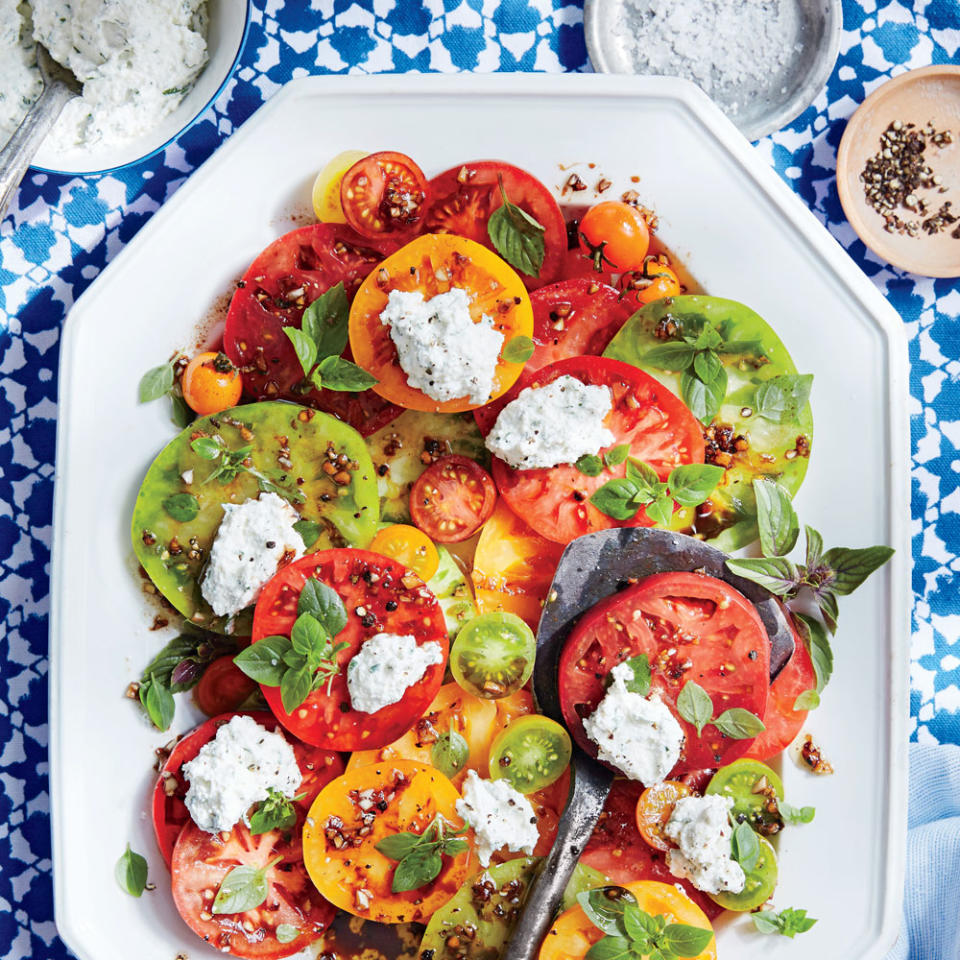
(696, 707)
(516, 236)
(787, 923)
(161, 381)
(131, 872)
(631, 933)
(243, 888)
(304, 661)
(321, 338)
(621, 498)
(796, 815)
(229, 464)
(419, 855)
(277, 812)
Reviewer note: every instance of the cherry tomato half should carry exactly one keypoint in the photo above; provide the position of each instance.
(452, 499)
(223, 687)
(326, 188)
(493, 655)
(654, 808)
(531, 753)
(409, 546)
(615, 235)
(654, 281)
(211, 383)
(384, 195)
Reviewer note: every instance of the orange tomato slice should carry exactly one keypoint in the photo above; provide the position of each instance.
(355, 812)
(654, 808)
(433, 264)
(409, 546)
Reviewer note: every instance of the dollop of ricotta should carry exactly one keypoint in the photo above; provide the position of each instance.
(387, 664)
(553, 424)
(235, 770)
(637, 735)
(20, 82)
(499, 815)
(700, 826)
(251, 540)
(441, 350)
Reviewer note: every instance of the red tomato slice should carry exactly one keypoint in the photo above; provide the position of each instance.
(691, 627)
(658, 426)
(452, 499)
(201, 860)
(223, 687)
(318, 767)
(617, 849)
(380, 596)
(463, 198)
(277, 287)
(782, 722)
(574, 318)
(384, 195)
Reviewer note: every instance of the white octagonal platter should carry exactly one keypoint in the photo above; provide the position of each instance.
(743, 234)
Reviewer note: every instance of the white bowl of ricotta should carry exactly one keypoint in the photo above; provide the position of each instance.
(149, 69)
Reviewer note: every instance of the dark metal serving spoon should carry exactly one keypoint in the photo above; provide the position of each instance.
(590, 569)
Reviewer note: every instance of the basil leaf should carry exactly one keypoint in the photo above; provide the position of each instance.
(686, 941)
(340, 374)
(795, 815)
(776, 518)
(263, 661)
(158, 701)
(416, 869)
(814, 548)
(180, 412)
(808, 700)
(243, 888)
(765, 921)
(454, 847)
(703, 399)
(516, 236)
(131, 872)
(286, 933)
(670, 356)
(449, 754)
(611, 948)
(661, 511)
(206, 447)
(155, 383)
(746, 847)
(182, 507)
(695, 706)
(304, 347)
(590, 465)
(616, 455)
(780, 399)
(197, 648)
(517, 350)
(737, 347)
(326, 322)
(605, 906)
(778, 575)
(707, 366)
(398, 845)
(640, 666)
(818, 646)
(851, 567)
(644, 476)
(827, 601)
(323, 603)
(295, 686)
(308, 636)
(309, 532)
(616, 499)
(739, 724)
(691, 483)
(636, 924)
(707, 339)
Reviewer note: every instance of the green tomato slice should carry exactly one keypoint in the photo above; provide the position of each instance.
(776, 448)
(748, 782)
(180, 503)
(486, 908)
(531, 752)
(760, 884)
(493, 655)
(403, 449)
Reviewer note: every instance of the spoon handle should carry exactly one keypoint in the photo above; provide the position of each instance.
(591, 786)
(19, 151)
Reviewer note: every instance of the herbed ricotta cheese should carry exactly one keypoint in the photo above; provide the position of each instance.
(20, 82)
(637, 735)
(441, 350)
(553, 424)
(700, 826)
(385, 667)
(235, 770)
(252, 538)
(499, 815)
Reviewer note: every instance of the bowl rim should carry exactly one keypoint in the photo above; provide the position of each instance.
(227, 77)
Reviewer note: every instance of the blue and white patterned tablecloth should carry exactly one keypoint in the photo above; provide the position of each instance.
(62, 231)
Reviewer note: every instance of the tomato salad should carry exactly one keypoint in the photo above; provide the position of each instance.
(417, 403)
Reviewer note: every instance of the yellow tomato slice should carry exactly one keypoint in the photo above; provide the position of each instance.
(326, 188)
(410, 546)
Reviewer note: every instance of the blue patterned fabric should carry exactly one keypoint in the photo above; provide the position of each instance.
(62, 231)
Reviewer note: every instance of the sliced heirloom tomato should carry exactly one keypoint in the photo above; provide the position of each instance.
(384, 195)
(452, 499)
(380, 596)
(464, 197)
(201, 862)
(353, 813)
(169, 811)
(434, 264)
(691, 627)
(658, 427)
(277, 287)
